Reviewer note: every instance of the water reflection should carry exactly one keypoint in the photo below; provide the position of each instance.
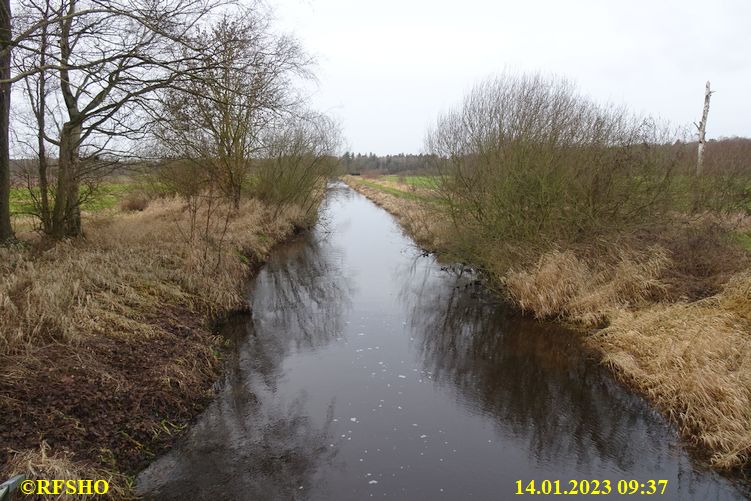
(366, 370)
(298, 301)
(533, 380)
(249, 443)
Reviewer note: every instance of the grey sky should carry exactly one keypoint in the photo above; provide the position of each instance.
(387, 68)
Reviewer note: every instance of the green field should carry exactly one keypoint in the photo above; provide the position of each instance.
(106, 196)
(416, 181)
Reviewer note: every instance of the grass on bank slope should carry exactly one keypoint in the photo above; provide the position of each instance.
(406, 206)
(105, 347)
(675, 307)
(397, 190)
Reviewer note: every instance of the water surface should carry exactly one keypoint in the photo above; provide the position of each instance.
(368, 370)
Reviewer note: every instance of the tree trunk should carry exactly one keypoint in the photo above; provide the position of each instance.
(41, 109)
(44, 189)
(6, 230)
(236, 196)
(702, 126)
(66, 215)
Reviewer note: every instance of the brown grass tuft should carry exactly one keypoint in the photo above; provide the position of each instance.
(129, 267)
(42, 464)
(694, 361)
(134, 201)
(736, 297)
(584, 291)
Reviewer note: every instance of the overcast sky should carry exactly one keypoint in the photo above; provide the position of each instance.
(387, 68)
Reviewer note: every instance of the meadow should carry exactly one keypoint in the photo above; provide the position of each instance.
(106, 196)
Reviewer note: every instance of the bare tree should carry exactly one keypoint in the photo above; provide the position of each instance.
(106, 61)
(37, 93)
(702, 127)
(6, 230)
(217, 119)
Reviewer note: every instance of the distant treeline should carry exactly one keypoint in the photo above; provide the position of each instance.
(722, 155)
(389, 164)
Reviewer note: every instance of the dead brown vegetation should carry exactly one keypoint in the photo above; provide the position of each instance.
(563, 285)
(127, 268)
(690, 259)
(43, 464)
(693, 360)
(105, 346)
(135, 201)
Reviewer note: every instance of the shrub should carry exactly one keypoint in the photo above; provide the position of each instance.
(134, 202)
(298, 160)
(526, 158)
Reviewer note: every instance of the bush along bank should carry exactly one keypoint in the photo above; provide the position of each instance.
(671, 317)
(593, 216)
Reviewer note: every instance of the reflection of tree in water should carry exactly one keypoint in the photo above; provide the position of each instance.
(531, 377)
(298, 300)
(248, 445)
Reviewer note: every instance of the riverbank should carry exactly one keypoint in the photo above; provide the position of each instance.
(107, 348)
(361, 342)
(670, 313)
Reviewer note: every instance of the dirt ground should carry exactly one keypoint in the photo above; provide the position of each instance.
(117, 402)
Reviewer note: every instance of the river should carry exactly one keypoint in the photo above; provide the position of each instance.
(369, 370)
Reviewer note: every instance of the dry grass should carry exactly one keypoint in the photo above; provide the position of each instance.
(105, 349)
(563, 285)
(694, 361)
(134, 201)
(42, 464)
(128, 267)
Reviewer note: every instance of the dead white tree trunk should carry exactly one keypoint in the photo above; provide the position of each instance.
(702, 126)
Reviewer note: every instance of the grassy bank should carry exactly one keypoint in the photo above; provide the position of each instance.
(411, 211)
(668, 309)
(106, 349)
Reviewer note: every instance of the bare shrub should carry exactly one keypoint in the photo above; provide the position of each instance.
(526, 158)
(705, 253)
(299, 159)
(134, 201)
(195, 185)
